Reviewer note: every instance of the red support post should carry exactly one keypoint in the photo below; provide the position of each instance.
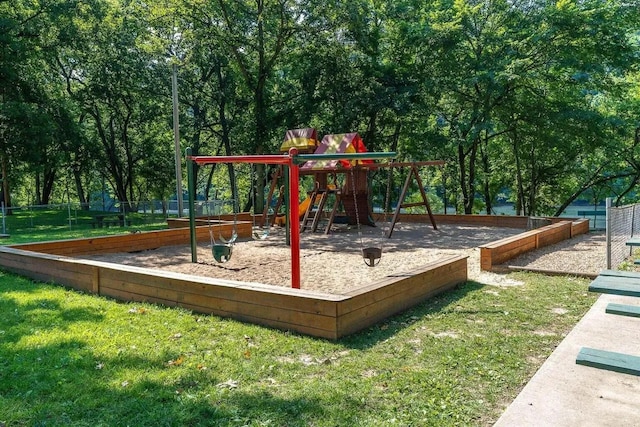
(294, 215)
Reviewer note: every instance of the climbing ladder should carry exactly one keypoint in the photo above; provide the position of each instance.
(315, 213)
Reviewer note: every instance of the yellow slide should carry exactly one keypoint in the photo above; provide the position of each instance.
(281, 220)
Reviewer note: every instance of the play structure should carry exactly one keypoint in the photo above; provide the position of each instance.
(292, 161)
(301, 155)
(302, 310)
(352, 194)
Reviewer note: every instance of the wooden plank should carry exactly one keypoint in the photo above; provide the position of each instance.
(409, 285)
(605, 287)
(609, 360)
(579, 227)
(274, 296)
(623, 309)
(131, 242)
(46, 268)
(511, 250)
(371, 314)
(225, 307)
(516, 238)
(553, 233)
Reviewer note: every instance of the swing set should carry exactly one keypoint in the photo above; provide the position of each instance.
(291, 162)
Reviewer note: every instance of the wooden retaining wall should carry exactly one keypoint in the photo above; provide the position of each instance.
(502, 250)
(135, 242)
(505, 221)
(307, 312)
(312, 313)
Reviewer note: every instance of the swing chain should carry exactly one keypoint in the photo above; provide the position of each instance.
(386, 203)
(370, 255)
(221, 251)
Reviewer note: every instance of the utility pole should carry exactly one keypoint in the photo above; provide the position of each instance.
(176, 139)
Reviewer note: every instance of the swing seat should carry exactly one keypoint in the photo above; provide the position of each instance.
(233, 238)
(371, 256)
(222, 252)
(260, 233)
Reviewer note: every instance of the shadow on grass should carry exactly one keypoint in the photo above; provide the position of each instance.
(49, 377)
(394, 324)
(64, 382)
(58, 384)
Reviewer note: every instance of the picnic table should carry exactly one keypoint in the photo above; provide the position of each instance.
(105, 220)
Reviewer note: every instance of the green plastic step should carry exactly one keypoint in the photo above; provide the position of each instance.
(634, 241)
(623, 309)
(620, 273)
(609, 360)
(616, 286)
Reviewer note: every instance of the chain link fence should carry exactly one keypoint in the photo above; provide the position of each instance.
(623, 223)
(16, 219)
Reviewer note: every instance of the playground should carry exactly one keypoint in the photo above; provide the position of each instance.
(327, 281)
(331, 263)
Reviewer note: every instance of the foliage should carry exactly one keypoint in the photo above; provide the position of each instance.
(503, 91)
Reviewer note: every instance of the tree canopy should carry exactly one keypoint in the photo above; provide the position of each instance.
(532, 101)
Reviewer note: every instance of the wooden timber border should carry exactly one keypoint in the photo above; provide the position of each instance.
(304, 311)
(307, 312)
(503, 250)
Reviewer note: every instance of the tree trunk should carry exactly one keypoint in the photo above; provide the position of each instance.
(487, 174)
(5, 185)
(370, 135)
(390, 180)
(519, 177)
(82, 198)
(467, 180)
(47, 188)
(463, 175)
(38, 188)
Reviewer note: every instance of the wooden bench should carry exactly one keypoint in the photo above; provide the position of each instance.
(623, 309)
(616, 285)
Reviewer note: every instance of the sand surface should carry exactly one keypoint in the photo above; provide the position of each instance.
(333, 263)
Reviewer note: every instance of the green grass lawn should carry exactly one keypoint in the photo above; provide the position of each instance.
(70, 359)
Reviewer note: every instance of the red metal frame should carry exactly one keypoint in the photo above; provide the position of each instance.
(294, 193)
(290, 159)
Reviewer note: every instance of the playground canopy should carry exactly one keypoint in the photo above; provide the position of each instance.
(304, 140)
(343, 143)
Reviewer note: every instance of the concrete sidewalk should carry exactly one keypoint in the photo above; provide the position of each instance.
(563, 393)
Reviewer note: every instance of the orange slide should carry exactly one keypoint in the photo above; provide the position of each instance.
(304, 206)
